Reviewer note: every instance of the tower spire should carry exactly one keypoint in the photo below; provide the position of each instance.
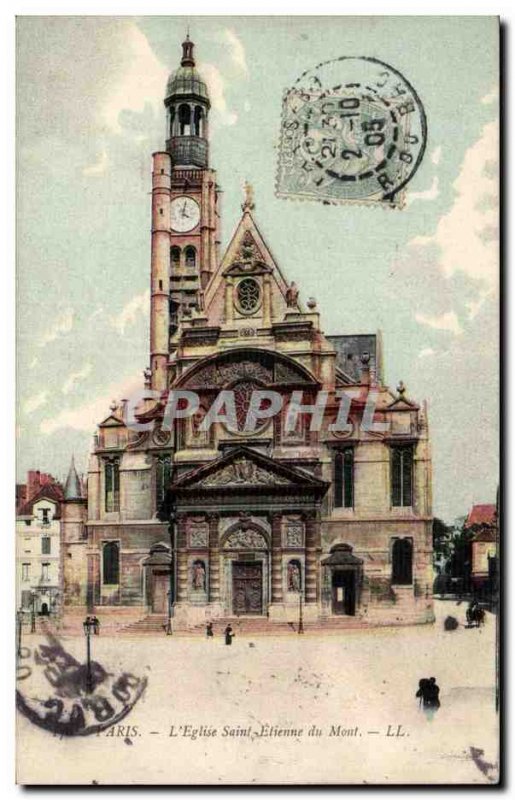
(187, 52)
(72, 487)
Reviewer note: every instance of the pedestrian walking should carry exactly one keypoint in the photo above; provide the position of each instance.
(228, 635)
(209, 630)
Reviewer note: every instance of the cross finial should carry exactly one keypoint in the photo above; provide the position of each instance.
(401, 389)
(248, 203)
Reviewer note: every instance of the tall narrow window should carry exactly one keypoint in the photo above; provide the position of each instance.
(112, 485)
(25, 572)
(175, 257)
(172, 118)
(344, 478)
(111, 563)
(197, 121)
(402, 476)
(163, 476)
(45, 545)
(190, 256)
(402, 562)
(45, 572)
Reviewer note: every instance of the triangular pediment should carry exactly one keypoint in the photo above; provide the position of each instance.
(112, 422)
(402, 404)
(243, 468)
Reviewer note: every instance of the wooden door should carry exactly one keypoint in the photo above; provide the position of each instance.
(160, 592)
(247, 587)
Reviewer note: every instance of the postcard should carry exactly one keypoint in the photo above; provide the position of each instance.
(257, 510)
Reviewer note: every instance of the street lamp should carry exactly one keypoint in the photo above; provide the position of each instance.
(89, 626)
(19, 619)
(301, 617)
(171, 530)
(33, 612)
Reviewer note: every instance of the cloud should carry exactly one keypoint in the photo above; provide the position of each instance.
(99, 167)
(87, 416)
(143, 80)
(62, 324)
(237, 51)
(444, 322)
(138, 304)
(35, 401)
(436, 154)
(426, 352)
(491, 97)
(216, 87)
(467, 236)
(429, 194)
(76, 377)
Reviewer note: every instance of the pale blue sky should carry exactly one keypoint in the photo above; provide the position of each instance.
(90, 114)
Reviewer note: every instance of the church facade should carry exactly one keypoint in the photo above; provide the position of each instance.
(205, 524)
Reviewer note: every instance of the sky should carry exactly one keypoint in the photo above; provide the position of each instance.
(89, 115)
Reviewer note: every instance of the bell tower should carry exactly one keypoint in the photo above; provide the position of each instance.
(185, 214)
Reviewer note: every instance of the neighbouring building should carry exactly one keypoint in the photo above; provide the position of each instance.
(38, 530)
(482, 524)
(343, 520)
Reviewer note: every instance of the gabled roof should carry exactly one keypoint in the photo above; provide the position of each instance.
(482, 514)
(246, 226)
(50, 491)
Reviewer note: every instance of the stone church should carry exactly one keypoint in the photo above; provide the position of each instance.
(195, 525)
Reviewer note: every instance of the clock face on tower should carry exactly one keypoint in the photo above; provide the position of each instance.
(185, 214)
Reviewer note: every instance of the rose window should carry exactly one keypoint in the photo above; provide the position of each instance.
(248, 295)
(242, 397)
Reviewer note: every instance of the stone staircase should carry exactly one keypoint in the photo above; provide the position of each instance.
(153, 624)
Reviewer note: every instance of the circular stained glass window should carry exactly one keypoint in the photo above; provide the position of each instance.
(242, 398)
(248, 295)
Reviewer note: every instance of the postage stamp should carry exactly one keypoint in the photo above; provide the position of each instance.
(353, 130)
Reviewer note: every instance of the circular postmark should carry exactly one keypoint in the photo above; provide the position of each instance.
(54, 693)
(353, 130)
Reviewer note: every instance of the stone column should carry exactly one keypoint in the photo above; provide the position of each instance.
(311, 581)
(182, 558)
(277, 580)
(214, 559)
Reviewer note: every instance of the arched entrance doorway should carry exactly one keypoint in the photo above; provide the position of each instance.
(246, 570)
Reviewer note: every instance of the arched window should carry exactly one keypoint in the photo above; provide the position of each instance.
(344, 478)
(175, 256)
(402, 476)
(197, 121)
(402, 562)
(190, 256)
(172, 120)
(184, 119)
(111, 563)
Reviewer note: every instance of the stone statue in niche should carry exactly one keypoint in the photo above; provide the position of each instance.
(294, 576)
(199, 576)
